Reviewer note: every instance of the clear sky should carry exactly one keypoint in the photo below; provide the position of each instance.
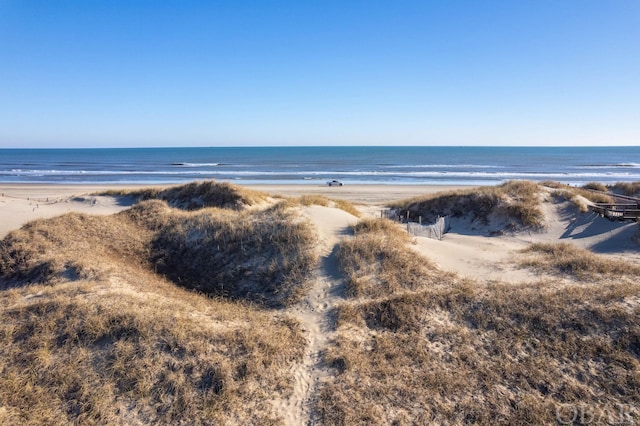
(89, 73)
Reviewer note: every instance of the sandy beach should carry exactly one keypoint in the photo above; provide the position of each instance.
(465, 250)
(21, 203)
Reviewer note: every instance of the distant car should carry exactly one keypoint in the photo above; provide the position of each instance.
(334, 183)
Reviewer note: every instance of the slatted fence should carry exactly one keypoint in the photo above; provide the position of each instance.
(435, 230)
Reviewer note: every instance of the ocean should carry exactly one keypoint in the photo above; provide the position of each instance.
(316, 165)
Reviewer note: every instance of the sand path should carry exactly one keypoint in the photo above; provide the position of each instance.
(316, 316)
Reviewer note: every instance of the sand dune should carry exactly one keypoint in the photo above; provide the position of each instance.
(466, 249)
(419, 300)
(21, 203)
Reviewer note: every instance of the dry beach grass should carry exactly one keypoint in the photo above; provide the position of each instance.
(419, 345)
(96, 331)
(197, 305)
(516, 201)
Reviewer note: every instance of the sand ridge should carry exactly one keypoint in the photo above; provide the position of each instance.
(467, 250)
(21, 203)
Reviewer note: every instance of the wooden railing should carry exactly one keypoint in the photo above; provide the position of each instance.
(628, 209)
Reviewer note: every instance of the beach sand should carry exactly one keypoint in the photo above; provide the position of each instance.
(464, 250)
(21, 203)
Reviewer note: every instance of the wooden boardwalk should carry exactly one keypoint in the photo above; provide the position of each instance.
(627, 209)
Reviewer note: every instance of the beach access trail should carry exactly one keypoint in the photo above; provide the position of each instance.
(316, 314)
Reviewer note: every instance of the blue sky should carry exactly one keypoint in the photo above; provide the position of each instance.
(88, 73)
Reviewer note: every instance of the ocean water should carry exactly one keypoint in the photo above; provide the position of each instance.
(316, 165)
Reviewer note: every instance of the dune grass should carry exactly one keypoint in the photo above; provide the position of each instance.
(99, 324)
(580, 198)
(197, 195)
(310, 200)
(443, 350)
(502, 355)
(347, 206)
(518, 202)
(567, 259)
(596, 186)
(376, 262)
(70, 247)
(98, 327)
(263, 257)
(577, 194)
(631, 189)
(591, 196)
(320, 200)
(91, 352)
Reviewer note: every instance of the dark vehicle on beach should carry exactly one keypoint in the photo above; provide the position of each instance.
(334, 183)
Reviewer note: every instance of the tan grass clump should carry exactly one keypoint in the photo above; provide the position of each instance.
(595, 186)
(303, 201)
(347, 207)
(310, 200)
(264, 257)
(198, 195)
(564, 258)
(515, 201)
(631, 189)
(90, 333)
(382, 227)
(623, 188)
(451, 351)
(505, 355)
(377, 262)
(581, 198)
(69, 248)
(319, 200)
(553, 184)
(95, 353)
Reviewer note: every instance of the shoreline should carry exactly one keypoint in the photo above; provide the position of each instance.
(363, 193)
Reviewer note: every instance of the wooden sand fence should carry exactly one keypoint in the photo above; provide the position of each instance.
(435, 230)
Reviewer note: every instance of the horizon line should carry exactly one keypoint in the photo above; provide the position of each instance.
(319, 146)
